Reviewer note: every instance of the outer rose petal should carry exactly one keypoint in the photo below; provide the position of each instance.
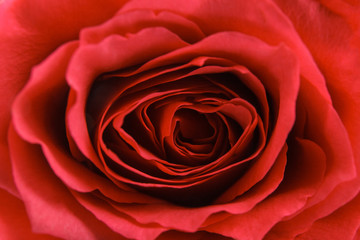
(347, 9)
(335, 46)
(117, 221)
(290, 197)
(131, 22)
(46, 131)
(191, 219)
(357, 235)
(334, 42)
(27, 35)
(273, 26)
(51, 207)
(342, 224)
(32, 107)
(14, 222)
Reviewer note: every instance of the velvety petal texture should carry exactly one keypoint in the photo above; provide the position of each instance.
(179, 120)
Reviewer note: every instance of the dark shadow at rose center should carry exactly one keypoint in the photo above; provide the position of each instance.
(180, 155)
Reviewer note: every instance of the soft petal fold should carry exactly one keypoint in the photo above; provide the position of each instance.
(50, 206)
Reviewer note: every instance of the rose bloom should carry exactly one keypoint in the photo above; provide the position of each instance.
(169, 119)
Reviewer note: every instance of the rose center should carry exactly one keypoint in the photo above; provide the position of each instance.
(193, 125)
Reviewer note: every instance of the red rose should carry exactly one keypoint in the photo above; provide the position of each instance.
(173, 120)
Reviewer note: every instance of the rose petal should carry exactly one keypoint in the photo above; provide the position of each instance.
(228, 109)
(27, 37)
(338, 57)
(301, 181)
(83, 71)
(347, 9)
(14, 222)
(134, 21)
(97, 103)
(190, 219)
(161, 124)
(117, 221)
(37, 124)
(342, 224)
(273, 26)
(217, 45)
(325, 128)
(41, 191)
